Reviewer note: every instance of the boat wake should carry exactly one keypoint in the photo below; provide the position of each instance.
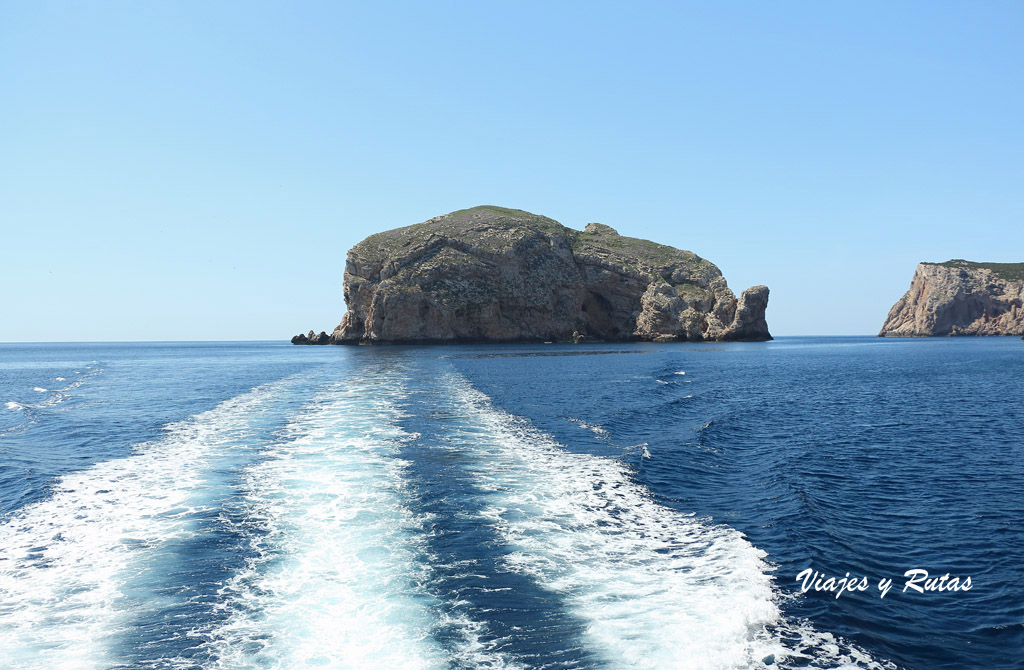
(336, 559)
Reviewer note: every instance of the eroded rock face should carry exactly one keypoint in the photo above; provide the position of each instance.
(490, 274)
(960, 298)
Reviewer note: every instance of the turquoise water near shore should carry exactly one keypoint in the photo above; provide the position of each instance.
(233, 505)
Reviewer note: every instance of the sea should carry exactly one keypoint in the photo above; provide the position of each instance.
(239, 505)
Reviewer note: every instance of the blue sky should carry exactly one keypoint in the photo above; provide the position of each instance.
(196, 170)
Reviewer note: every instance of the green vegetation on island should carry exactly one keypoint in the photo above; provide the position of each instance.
(1007, 271)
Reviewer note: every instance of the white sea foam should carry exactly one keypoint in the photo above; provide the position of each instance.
(59, 379)
(642, 448)
(681, 372)
(67, 561)
(54, 397)
(594, 428)
(338, 577)
(657, 588)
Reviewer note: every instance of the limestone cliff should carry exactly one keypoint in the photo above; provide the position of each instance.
(960, 298)
(489, 274)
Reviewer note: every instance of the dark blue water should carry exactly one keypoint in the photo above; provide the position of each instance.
(596, 506)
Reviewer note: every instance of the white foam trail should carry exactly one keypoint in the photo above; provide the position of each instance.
(338, 578)
(681, 372)
(658, 589)
(15, 406)
(40, 389)
(65, 561)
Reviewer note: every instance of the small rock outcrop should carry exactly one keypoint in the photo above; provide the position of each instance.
(490, 274)
(960, 297)
(312, 338)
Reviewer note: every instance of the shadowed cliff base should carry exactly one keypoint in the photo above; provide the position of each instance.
(960, 297)
(495, 275)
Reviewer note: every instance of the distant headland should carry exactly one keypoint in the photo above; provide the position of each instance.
(960, 297)
(490, 274)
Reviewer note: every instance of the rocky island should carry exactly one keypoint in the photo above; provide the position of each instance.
(960, 297)
(490, 274)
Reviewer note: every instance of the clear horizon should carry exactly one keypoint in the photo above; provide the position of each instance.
(196, 172)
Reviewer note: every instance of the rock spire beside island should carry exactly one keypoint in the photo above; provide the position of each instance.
(490, 274)
(960, 297)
